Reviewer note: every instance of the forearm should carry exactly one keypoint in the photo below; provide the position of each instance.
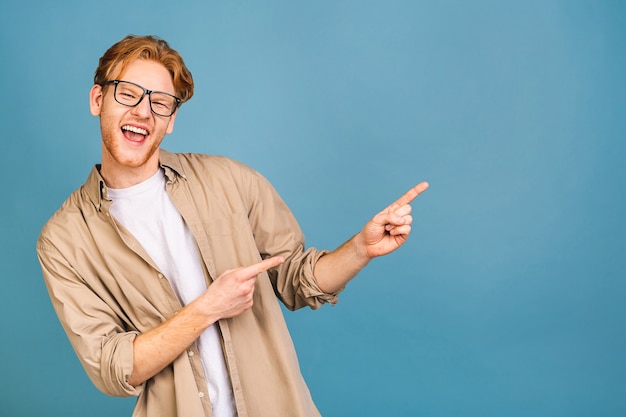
(157, 348)
(228, 296)
(335, 269)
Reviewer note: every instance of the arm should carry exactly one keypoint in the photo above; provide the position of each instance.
(229, 295)
(383, 234)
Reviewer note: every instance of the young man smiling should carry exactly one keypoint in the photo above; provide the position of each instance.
(131, 136)
(164, 268)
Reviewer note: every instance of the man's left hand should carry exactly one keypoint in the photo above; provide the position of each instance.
(390, 228)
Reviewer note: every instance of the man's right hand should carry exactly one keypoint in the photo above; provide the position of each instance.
(228, 296)
(232, 292)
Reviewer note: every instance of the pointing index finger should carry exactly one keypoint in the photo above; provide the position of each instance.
(264, 265)
(409, 195)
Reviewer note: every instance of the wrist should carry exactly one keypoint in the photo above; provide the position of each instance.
(359, 249)
(202, 312)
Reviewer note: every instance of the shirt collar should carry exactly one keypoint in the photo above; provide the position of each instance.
(96, 188)
(171, 164)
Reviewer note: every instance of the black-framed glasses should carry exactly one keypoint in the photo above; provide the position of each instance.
(130, 94)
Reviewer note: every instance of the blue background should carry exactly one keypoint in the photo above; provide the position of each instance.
(509, 298)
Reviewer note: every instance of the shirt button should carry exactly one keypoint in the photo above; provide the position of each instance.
(160, 275)
(190, 353)
(201, 394)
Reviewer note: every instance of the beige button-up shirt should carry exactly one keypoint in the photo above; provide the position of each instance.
(106, 289)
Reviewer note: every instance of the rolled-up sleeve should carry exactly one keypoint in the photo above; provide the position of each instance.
(96, 333)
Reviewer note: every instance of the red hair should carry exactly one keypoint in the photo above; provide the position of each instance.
(117, 57)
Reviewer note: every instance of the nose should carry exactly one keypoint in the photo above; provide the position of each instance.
(142, 109)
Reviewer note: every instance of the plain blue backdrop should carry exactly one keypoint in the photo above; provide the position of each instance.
(510, 297)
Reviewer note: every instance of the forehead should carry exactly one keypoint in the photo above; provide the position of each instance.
(149, 74)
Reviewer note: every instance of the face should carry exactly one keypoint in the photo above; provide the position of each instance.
(131, 136)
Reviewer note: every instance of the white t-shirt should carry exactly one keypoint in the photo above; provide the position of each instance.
(147, 211)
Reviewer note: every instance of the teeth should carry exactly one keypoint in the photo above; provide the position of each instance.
(135, 130)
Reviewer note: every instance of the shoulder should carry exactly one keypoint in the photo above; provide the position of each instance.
(220, 177)
(210, 168)
(76, 214)
(69, 220)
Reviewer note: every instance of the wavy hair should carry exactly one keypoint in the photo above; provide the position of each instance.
(132, 47)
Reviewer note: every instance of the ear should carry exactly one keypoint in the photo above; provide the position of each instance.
(95, 100)
(170, 124)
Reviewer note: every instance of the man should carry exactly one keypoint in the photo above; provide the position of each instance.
(164, 268)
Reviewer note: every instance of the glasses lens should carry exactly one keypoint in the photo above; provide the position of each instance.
(162, 104)
(128, 94)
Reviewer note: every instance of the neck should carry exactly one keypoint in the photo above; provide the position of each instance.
(116, 176)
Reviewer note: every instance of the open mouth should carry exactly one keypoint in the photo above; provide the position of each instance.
(134, 133)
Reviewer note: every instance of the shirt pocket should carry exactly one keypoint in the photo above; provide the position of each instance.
(229, 242)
